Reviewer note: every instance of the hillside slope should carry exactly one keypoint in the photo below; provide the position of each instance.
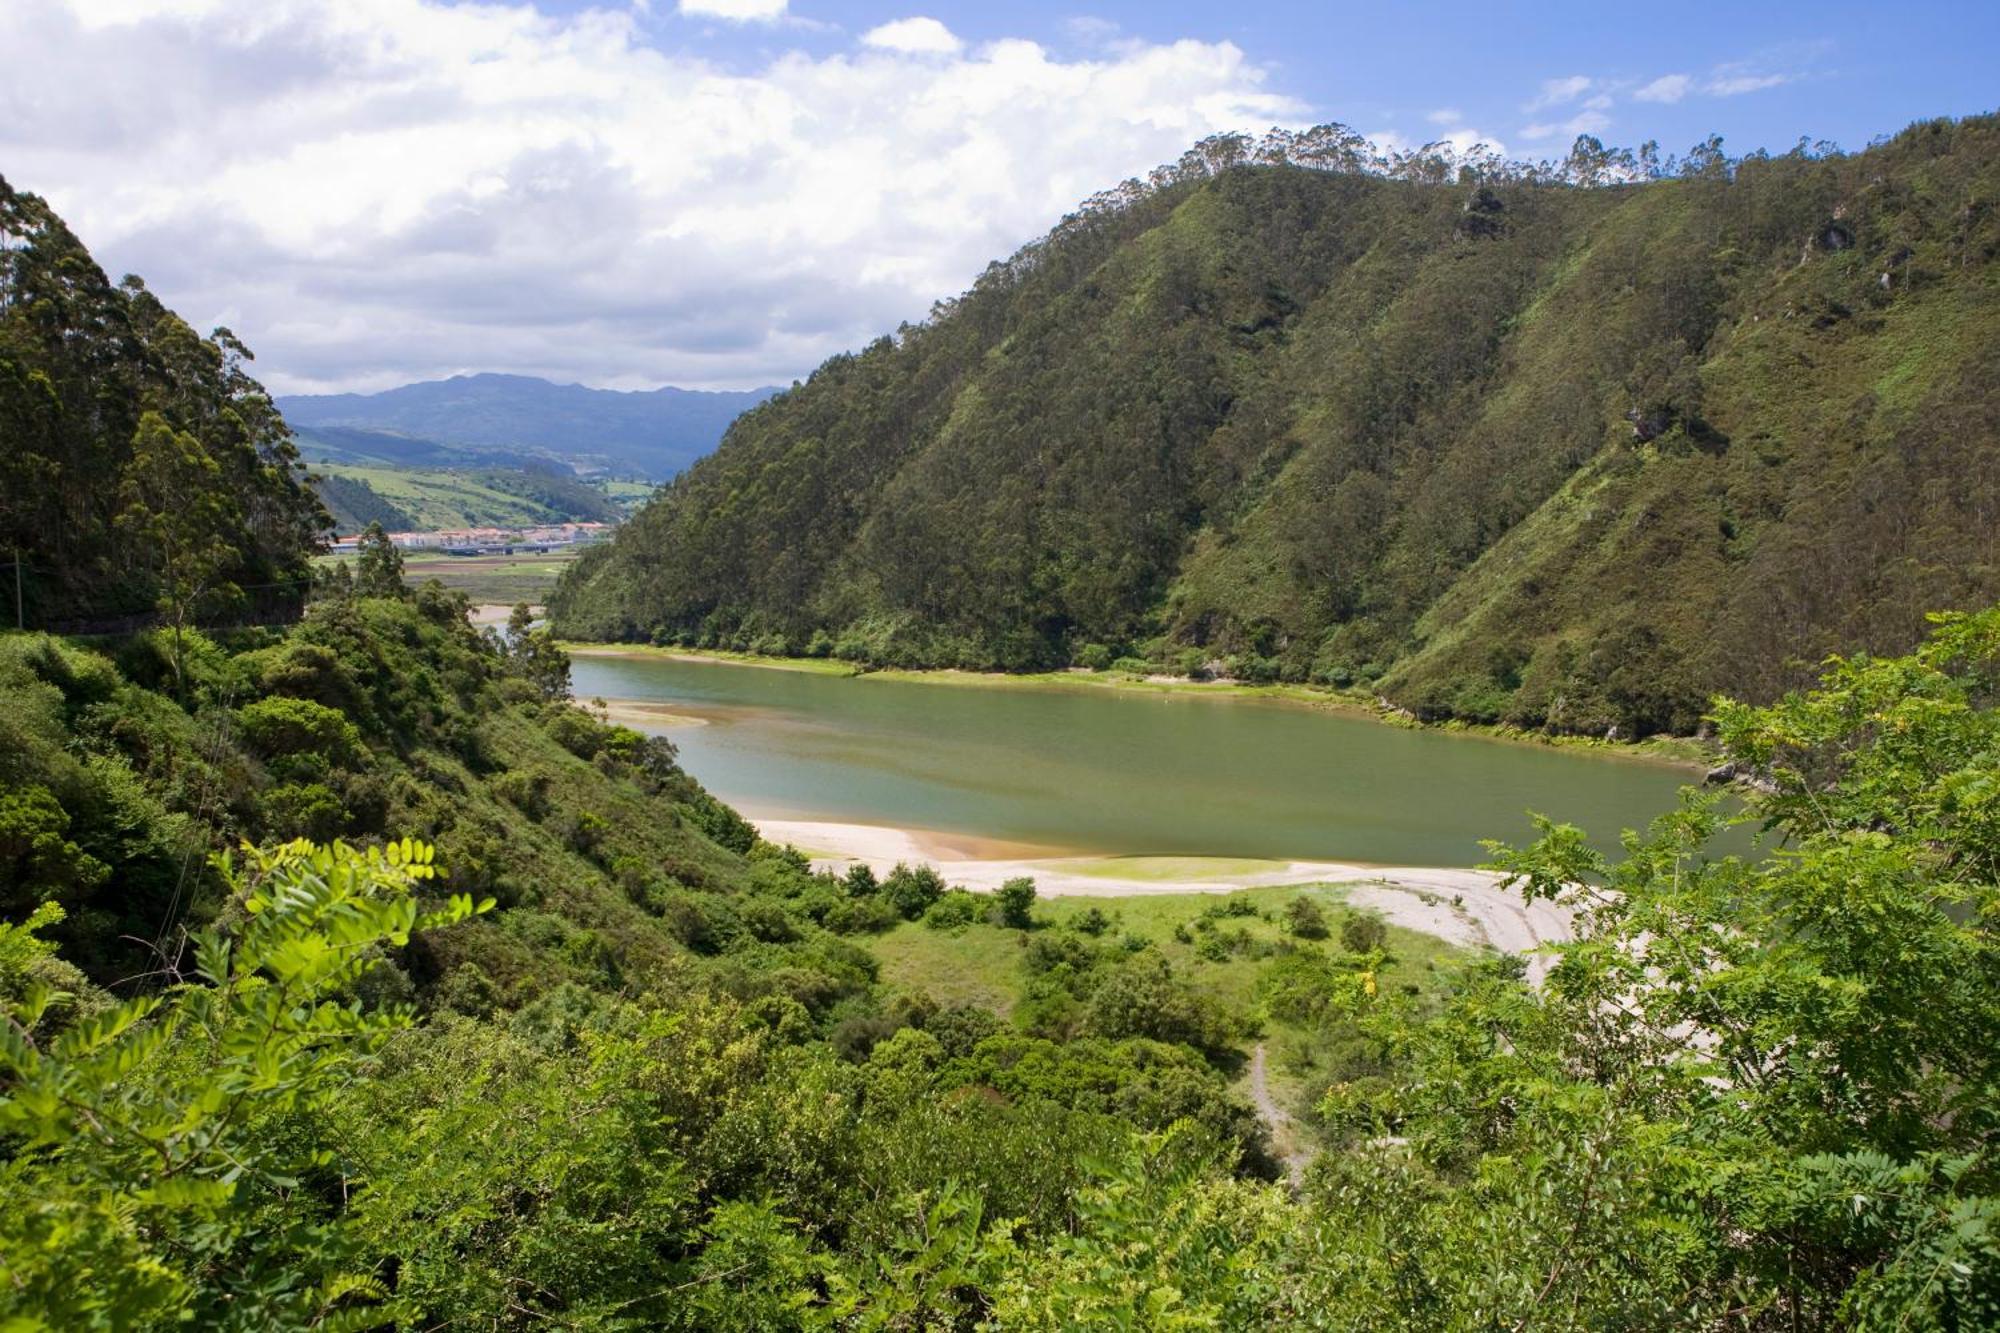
(646, 434)
(1574, 457)
(142, 470)
(434, 498)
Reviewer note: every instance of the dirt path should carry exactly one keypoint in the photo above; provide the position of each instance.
(1278, 1122)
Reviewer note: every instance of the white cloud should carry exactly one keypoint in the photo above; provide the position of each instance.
(1558, 92)
(914, 36)
(1091, 28)
(384, 190)
(1735, 83)
(1666, 88)
(1589, 121)
(1725, 81)
(736, 11)
(1446, 116)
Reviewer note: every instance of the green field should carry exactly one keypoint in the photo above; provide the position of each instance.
(435, 499)
(630, 494)
(980, 964)
(502, 579)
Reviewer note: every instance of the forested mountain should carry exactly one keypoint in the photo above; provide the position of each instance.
(1571, 449)
(142, 470)
(651, 435)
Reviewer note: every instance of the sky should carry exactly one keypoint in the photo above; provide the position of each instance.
(723, 193)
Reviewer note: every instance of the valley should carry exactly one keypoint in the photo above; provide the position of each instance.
(1356, 738)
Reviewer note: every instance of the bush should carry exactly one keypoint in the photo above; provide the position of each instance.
(954, 911)
(1363, 932)
(277, 727)
(911, 891)
(527, 790)
(858, 916)
(1015, 902)
(1091, 921)
(304, 810)
(1093, 657)
(1304, 919)
(1143, 998)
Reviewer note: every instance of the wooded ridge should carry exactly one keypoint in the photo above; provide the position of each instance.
(1569, 448)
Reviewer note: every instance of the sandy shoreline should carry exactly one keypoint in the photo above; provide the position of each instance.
(1464, 907)
(493, 613)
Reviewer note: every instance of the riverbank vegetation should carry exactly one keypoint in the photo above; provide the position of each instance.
(1497, 445)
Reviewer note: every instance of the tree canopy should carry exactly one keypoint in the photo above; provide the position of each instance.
(142, 470)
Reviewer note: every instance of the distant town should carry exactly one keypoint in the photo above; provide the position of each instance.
(489, 541)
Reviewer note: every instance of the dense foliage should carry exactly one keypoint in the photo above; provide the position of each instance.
(142, 470)
(1566, 448)
(652, 1088)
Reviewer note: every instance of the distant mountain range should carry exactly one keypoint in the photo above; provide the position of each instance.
(474, 418)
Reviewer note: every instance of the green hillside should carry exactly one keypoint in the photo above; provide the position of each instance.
(430, 499)
(1567, 453)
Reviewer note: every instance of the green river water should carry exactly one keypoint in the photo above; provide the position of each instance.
(1092, 770)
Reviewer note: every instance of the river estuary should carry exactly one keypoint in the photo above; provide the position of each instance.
(1115, 772)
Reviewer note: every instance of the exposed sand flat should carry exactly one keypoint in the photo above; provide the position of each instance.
(493, 613)
(643, 716)
(1465, 907)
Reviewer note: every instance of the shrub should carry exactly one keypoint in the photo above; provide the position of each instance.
(304, 810)
(1363, 932)
(1091, 921)
(1143, 998)
(857, 916)
(954, 911)
(1304, 919)
(280, 726)
(1015, 902)
(911, 891)
(1093, 657)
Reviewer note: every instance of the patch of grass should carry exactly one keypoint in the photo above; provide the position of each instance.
(438, 499)
(981, 963)
(501, 579)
